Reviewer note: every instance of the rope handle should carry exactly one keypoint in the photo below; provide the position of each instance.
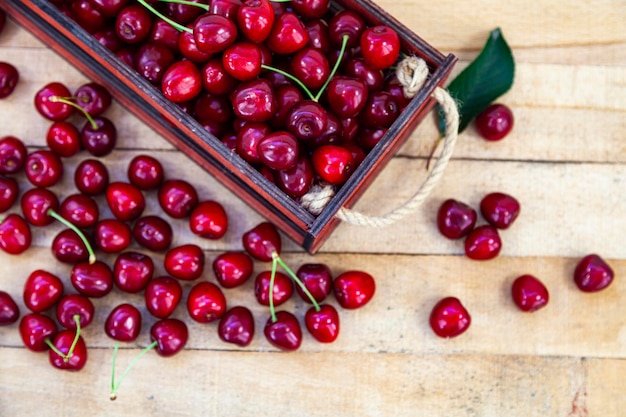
(412, 73)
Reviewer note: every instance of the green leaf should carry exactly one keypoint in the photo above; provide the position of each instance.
(488, 77)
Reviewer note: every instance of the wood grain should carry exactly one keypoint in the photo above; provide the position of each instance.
(565, 161)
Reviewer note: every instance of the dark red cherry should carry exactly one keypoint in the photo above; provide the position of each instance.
(455, 219)
(284, 333)
(87, 15)
(68, 247)
(3, 20)
(286, 97)
(36, 204)
(380, 110)
(237, 326)
(593, 274)
(132, 271)
(74, 307)
(311, 9)
(374, 79)
(35, 329)
(99, 139)
(214, 33)
(125, 200)
(112, 235)
(63, 138)
(346, 96)
(64, 341)
(206, 302)
(500, 209)
(145, 172)
(323, 324)
(188, 48)
(47, 105)
(171, 336)
(9, 77)
(226, 8)
(298, 180)
(152, 60)
(153, 233)
(232, 269)
(123, 323)
(318, 34)
(346, 22)
(317, 279)
(162, 296)
(253, 101)
(262, 241)
(248, 139)
(80, 209)
(185, 262)
(177, 198)
(307, 120)
(449, 318)
(288, 34)
(94, 98)
(164, 34)
(354, 289)
(133, 24)
(255, 19)
(215, 79)
(483, 243)
(279, 150)
(181, 82)
(12, 155)
(92, 279)
(242, 60)
(91, 177)
(368, 138)
(529, 294)
(209, 220)
(108, 38)
(333, 163)
(15, 235)
(43, 168)
(380, 46)
(495, 122)
(310, 66)
(42, 290)
(283, 288)
(9, 311)
(109, 7)
(184, 13)
(212, 108)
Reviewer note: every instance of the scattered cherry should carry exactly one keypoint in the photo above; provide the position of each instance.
(280, 293)
(42, 290)
(162, 296)
(208, 220)
(495, 122)
(9, 311)
(73, 310)
(317, 278)
(593, 274)
(92, 279)
(237, 326)
(145, 172)
(66, 341)
(500, 209)
(529, 294)
(206, 302)
(283, 331)
(449, 318)
(455, 219)
(354, 289)
(184, 262)
(177, 198)
(12, 155)
(153, 232)
(35, 329)
(232, 269)
(123, 323)
(132, 271)
(483, 243)
(9, 77)
(15, 235)
(323, 323)
(91, 177)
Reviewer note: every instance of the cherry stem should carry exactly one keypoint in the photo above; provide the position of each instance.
(276, 258)
(161, 16)
(344, 43)
(81, 235)
(67, 357)
(188, 3)
(69, 102)
(272, 277)
(292, 78)
(115, 387)
(54, 348)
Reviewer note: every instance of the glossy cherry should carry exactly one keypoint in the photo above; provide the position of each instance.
(500, 209)
(253, 101)
(42, 290)
(72, 308)
(132, 271)
(285, 332)
(380, 110)
(94, 98)
(123, 323)
(354, 289)
(455, 219)
(162, 296)
(306, 120)
(279, 150)
(529, 294)
(593, 274)
(64, 341)
(15, 235)
(323, 324)
(449, 318)
(133, 23)
(288, 34)
(208, 220)
(170, 336)
(346, 22)
(63, 138)
(9, 311)
(283, 288)
(177, 198)
(495, 122)
(125, 200)
(92, 279)
(112, 235)
(43, 168)
(68, 247)
(298, 180)
(185, 262)
(357, 68)
(333, 163)
(346, 96)
(153, 232)
(215, 79)
(232, 269)
(248, 139)
(36, 204)
(145, 172)
(80, 209)
(242, 60)
(237, 326)
(206, 302)
(100, 137)
(181, 82)
(35, 329)
(483, 243)
(262, 241)
(47, 105)
(91, 177)
(318, 280)
(12, 155)
(255, 19)
(380, 46)
(9, 77)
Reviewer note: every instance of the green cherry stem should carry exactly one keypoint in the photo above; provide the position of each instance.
(161, 16)
(188, 3)
(54, 348)
(81, 235)
(115, 387)
(67, 357)
(69, 102)
(292, 78)
(297, 280)
(272, 277)
(344, 43)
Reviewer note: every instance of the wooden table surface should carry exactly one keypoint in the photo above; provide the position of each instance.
(566, 163)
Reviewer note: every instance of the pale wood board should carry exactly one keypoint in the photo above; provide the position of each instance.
(564, 162)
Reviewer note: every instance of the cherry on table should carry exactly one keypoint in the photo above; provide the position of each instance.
(9, 77)
(318, 280)
(132, 271)
(153, 233)
(91, 177)
(284, 332)
(495, 122)
(126, 201)
(80, 209)
(593, 274)
(92, 279)
(94, 98)
(455, 219)
(99, 136)
(483, 243)
(63, 138)
(43, 168)
(64, 341)
(35, 329)
(282, 291)
(232, 269)
(500, 209)
(323, 324)
(177, 198)
(237, 326)
(36, 204)
(162, 296)
(449, 318)
(9, 311)
(170, 336)
(206, 302)
(123, 323)
(42, 290)
(529, 294)
(68, 247)
(208, 220)
(185, 262)
(47, 104)
(112, 235)
(72, 308)
(15, 234)
(353, 289)
(13, 155)
(262, 241)
(145, 172)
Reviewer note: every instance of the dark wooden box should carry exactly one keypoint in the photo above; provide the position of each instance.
(134, 92)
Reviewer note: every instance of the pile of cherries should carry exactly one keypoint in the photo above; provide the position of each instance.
(299, 90)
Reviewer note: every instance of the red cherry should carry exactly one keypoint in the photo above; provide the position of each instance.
(145, 172)
(112, 235)
(152, 60)
(15, 235)
(9, 311)
(237, 326)
(185, 262)
(455, 219)
(500, 209)
(253, 101)
(72, 307)
(91, 177)
(153, 233)
(132, 271)
(12, 155)
(94, 98)
(133, 24)
(374, 79)
(232, 269)
(162, 296)
(262, 241)
(310, 66)
(317, 279)
(346, 96)
(36, 204)
(283, 288)
(171, 336)
(298, 180)
(311, 8)
(242, 60)
(63, 341)
(380, 46)
(209, 220)
(35, 329)
(215, 79)
(333, 163)
(593, 274)
(214, 33)
(354, 289)
(42, 290)
(529, 294)
(100, 137)
(323, 324)
(284, 333)
(9, 77)
(307, 120)
(288, 34)
(248, 139)
(109, 7)
(177, 198)
(449, 318)
(9, 191)
(63, 138)
(495, 122)
(92, 280)
(68, 247)
(278, 150)
(123, 323)
(43, 168)
(80, 209)
(483, 243)
(206, 302)
(181, 82)
(87, 15)
(255, 19)
(48, 107)
(125, 200)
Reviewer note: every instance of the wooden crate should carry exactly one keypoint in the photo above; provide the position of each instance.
(44, 20)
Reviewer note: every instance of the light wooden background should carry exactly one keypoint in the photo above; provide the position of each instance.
(565, 162)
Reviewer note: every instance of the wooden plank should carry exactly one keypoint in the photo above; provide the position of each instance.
(603, 394)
